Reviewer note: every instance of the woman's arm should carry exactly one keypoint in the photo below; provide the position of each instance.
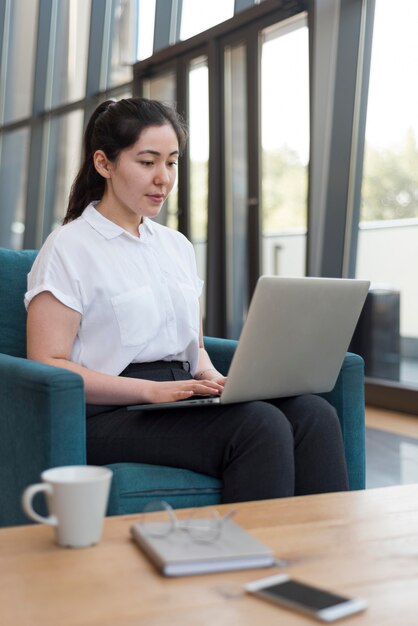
(51, 331)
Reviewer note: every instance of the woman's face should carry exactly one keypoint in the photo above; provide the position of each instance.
(139, 181)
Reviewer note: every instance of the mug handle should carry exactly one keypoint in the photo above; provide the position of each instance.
(27, 497)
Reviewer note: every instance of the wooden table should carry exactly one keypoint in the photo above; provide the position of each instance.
(360, 543)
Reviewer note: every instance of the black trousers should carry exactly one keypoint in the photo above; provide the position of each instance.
(260, 450)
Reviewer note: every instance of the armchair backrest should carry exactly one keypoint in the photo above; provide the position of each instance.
(14, 267)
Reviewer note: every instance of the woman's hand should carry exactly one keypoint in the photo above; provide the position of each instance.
(171, 391)
(213, 375)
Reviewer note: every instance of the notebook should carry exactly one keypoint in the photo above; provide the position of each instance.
(177, 554)
(293, 341)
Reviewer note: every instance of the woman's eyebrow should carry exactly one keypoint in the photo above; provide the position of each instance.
(156, 153)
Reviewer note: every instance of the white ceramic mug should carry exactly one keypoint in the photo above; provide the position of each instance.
(77, 498)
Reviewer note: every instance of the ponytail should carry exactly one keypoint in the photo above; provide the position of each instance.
(113, 127)
(88, 184)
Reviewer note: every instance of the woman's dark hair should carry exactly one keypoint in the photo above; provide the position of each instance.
(113, 127)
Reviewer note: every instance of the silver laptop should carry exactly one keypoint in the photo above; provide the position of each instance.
(293, 341)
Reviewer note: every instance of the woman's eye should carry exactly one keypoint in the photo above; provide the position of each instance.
(173, 164)
(147, 163)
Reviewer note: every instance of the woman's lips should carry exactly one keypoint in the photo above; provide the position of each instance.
(155, 197)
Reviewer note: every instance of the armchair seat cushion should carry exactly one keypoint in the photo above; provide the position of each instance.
(135, 484)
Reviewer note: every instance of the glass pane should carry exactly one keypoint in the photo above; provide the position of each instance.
(163, 88)
(13, 180)
(236, 176)
(123, 42)
(199, 15)
(388, 231)
(199, 158)
(71, 51)
(146, 22)
(20, 59)
(285, 147)
(64, 153)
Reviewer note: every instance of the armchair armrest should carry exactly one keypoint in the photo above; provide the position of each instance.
(347, 398)
(42, 424)
(221, 352)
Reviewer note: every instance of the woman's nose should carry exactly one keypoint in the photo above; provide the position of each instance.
(162, 175)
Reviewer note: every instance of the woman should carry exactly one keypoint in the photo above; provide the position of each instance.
(114, 297)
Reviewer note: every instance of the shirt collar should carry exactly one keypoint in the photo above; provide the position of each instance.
(109, 229)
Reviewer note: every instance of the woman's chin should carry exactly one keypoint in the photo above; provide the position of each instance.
(151, 212)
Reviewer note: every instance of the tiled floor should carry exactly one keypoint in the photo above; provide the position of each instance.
(391, 449)
(391, 459)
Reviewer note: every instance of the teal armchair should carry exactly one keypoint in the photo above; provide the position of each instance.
(42, 418)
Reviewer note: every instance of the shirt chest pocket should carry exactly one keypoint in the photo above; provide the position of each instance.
(137, 315)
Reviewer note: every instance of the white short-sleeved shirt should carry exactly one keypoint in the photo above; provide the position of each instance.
(137, 296)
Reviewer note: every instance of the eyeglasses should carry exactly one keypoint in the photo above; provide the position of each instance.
(159, 520)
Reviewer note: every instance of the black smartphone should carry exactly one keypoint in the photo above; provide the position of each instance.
(293, 594)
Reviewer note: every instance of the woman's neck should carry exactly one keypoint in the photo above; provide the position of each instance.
(129, 222)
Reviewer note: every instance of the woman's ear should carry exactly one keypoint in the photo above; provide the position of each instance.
(102, 163)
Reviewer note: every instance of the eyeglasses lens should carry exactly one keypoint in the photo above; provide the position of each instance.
(157, 518)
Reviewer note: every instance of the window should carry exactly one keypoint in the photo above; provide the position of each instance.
(285, 147)
(199, 15)
(52, 75)
(199, 158)
(388, 232)
(236, 176)
(123, 45)
(65, 153)
(146, 22)
(13, 177)
(69, 60)
(18, 59)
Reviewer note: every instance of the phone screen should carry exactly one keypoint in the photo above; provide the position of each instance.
(303, 594)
